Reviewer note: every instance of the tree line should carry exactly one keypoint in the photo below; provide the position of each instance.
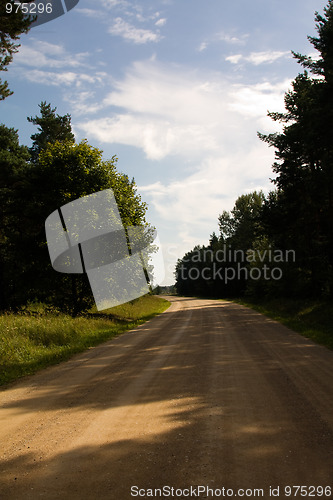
(281, 244)
(34, 182)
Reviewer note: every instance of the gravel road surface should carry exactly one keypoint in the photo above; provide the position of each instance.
(207, 394)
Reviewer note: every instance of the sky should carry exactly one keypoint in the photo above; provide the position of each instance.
(176, 89)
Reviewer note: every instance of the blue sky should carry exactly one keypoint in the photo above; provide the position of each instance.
(177, 89)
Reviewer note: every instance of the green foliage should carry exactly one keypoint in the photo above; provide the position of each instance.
(11, 27)
(13, 157)
(60, 171)
(242, 223)
(65, 172)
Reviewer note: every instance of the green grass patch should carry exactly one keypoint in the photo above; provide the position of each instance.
(38, 336)
(312, 319)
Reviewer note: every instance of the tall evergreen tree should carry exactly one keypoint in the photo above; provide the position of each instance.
(51, 128)
(13, 168)
(304, 163)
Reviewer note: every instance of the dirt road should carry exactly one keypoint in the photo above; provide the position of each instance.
(207, 394)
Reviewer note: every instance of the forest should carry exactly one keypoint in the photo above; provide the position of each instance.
(278, 244)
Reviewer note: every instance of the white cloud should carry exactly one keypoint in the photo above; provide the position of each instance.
(212, 187)
(158, 138)
(223, 37)
(203, 46)
(205, 122)
(40, 54)
(255, 100)
(169, 111)
(49, 64)
(266, 57)
(165, 113)
(129, 32)
(234, 59)
(161, 22)
(65, 78)
(110, 4)
(93, 13)
(51, 78)
(256, 58)
(166, 92)
(84, 102)
(232, 39)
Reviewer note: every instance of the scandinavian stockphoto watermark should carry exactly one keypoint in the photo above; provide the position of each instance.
(87, 236)
(228, 264)
(40, 11)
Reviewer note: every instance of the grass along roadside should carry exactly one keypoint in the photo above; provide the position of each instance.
(311, 319)
(37, 337)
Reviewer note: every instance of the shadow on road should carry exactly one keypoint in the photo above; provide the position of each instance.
(210, 394)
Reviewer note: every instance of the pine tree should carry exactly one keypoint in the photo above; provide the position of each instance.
(52, 128)
(13, 167)
(304, 162)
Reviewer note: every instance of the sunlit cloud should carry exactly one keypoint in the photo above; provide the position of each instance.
(60, 79)
(40, 54)
(166, 111)
(255, 100)
(207, 121)
(110, 4)
(227, 38)
(131, 33)
(234, 59)
(92, 13)
(84, 102)
(231, 39)
(256, 58)
(191, 202)
(203, 46)
(51, 78)
(161, 22)
(157, 138)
